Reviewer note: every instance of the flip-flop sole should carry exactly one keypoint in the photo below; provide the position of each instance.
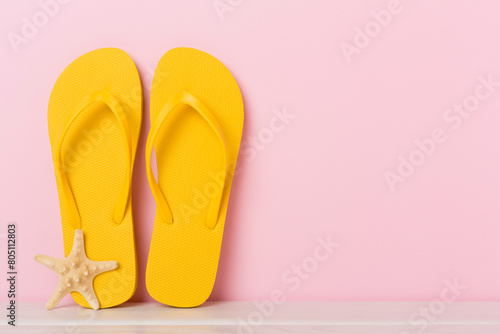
(184, 256)
(95, 163)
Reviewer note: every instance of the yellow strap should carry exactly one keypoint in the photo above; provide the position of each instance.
(120, 209)
(185, 98)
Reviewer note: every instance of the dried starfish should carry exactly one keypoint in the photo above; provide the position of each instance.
(76, 273)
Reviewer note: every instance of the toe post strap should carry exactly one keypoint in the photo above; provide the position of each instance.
(184, 97)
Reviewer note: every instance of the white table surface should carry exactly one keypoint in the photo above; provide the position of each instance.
(245, 317)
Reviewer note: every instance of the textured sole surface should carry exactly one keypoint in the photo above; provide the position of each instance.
(95, 162)
(184, 256)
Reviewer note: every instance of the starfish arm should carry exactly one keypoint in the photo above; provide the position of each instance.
(78, 243)
(57, 296)
(90, 297)
(103, 266)
(47, 261)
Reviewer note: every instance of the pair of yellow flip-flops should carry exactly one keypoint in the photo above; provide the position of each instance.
(94, 115)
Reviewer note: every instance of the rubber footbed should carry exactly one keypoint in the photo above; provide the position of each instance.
(184, 256)
(95, 162)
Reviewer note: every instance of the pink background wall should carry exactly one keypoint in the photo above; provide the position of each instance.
(321, 174)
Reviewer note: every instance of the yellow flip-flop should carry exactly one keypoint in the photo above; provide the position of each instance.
(94, 114)
(197, 122)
